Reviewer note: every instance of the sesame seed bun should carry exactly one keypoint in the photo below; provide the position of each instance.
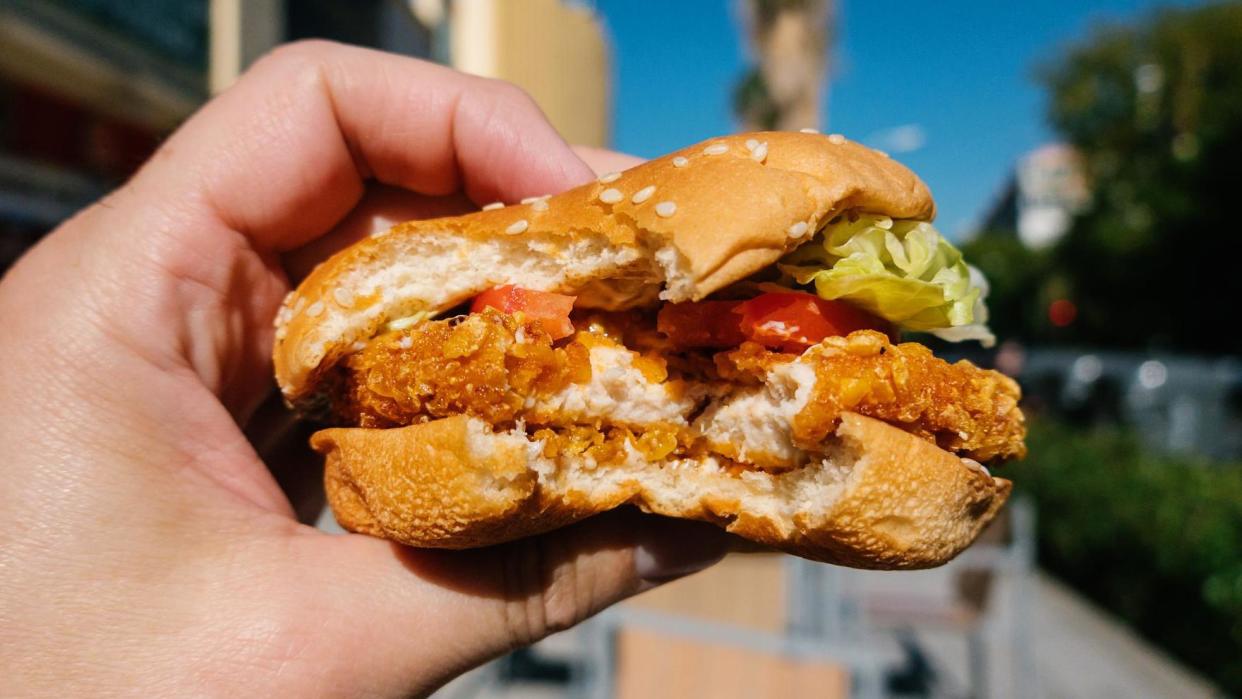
(719, 212)
(882, 499)
(677, 228)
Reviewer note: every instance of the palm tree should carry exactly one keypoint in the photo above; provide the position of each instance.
(789, 39)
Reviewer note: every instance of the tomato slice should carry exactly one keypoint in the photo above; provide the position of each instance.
(549, 311)
(788, 321)
(794, 321)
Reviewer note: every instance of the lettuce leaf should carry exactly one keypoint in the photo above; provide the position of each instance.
(978, 328)
(903, 271)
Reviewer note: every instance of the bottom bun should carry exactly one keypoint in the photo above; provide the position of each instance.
(880, 498)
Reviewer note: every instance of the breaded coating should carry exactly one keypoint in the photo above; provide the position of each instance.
(966, 410)
(485, 364)
(494, 367)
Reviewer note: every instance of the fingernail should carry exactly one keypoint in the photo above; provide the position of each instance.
(671, 548)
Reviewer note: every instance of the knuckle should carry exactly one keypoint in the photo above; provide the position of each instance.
(301, 50)
(562, 600)
(297, 57)
(507, 92)
(547, 589)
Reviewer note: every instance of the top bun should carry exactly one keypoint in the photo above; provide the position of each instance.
(676, 228)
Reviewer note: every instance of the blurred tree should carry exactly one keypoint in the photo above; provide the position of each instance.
(1157, 539)
(1016, 274)
(1156, 110)
(790, 39)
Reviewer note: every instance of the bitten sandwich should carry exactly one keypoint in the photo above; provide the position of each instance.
(711, 335)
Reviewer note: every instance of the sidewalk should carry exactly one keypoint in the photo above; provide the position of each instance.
(1079, 651)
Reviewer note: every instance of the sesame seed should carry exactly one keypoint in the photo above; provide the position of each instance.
(680, 162)
(493, 206)
(717, 149)
(751, 144)
(760, 152)
(539, 204)
(643, 194)
(610, 178)
(299, 305)
(665, 209)
(405, 342)
(518, 226)
(530, 200)
(611, 195)
(343, 296)
(289, 298)
(976, 466)
(798, 230)
(281, 332)
(380, 233)
(808, 130)
(358, 346)
(402, 323)
(882, 153)
(836, 139)
(315, 309)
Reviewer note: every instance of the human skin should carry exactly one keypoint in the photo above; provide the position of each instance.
(146, 547)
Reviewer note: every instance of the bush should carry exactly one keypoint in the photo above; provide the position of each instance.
(1156, 539)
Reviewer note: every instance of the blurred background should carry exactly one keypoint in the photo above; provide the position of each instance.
(1085, 156)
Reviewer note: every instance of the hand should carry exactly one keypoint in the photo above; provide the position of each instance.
(145, 547)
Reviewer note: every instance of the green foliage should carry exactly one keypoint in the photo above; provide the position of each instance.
(1156, 111)
(753, 103)
(1016, 274)
(1157, 539)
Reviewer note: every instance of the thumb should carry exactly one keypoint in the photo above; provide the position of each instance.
(425, 616)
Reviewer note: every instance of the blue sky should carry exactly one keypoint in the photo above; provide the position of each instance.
(957, 75)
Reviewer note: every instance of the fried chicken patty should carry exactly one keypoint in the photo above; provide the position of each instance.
(960, 407)
(491, 366)
(750, 405)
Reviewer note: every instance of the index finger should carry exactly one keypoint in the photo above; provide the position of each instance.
(283, 154)
(383, 207)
